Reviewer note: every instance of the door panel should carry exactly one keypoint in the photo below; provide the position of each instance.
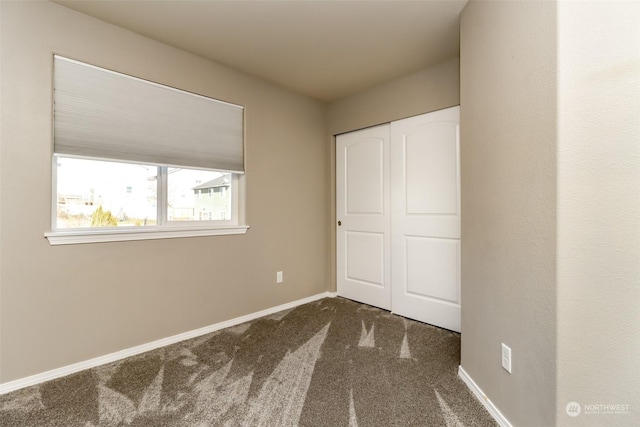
(362, 208)
(432, 268)
(365, 257)
(364, 186)
(430, 171)
(425, 218)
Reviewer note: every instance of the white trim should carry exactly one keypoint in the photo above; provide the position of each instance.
(121, 235)
(162, 195)
(118, 355)
(488, 404)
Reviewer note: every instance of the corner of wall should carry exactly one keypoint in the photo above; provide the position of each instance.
(508, 165)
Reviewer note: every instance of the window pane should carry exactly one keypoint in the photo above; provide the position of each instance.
(197, 195)
(105, 194)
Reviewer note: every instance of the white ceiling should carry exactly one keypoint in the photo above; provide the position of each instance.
(323, 49)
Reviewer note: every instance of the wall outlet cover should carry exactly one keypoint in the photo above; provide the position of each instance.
(506, 357)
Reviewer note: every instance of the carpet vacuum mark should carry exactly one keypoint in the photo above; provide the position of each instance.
(333, 362)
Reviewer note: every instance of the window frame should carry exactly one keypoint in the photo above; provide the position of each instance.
(164, 229)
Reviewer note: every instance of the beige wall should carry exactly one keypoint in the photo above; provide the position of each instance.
(66, 304)
(431, 89)
(599, 210)
(508, 161)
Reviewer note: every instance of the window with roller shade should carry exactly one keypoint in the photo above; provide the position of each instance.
(136, 155)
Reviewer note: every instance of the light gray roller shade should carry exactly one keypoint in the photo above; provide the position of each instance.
(103, 114)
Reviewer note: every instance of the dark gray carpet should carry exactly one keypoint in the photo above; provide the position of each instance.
(329, 363)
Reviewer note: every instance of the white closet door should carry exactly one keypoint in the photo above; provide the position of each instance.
(425, 218)
(362, 213)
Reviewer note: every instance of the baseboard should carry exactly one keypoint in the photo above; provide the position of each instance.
(118, 355)
(493, 410)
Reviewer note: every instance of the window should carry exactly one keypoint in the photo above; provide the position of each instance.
(90, 194)
(137, 160)
(184, 187)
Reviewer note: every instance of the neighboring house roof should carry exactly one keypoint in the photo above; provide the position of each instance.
(222, 181)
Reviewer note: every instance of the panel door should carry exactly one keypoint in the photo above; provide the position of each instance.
(425, 218)
(362, 214)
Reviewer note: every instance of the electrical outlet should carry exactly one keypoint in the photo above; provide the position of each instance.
(279, 277)
(506, 358)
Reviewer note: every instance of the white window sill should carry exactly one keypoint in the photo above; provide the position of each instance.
(75, 237)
